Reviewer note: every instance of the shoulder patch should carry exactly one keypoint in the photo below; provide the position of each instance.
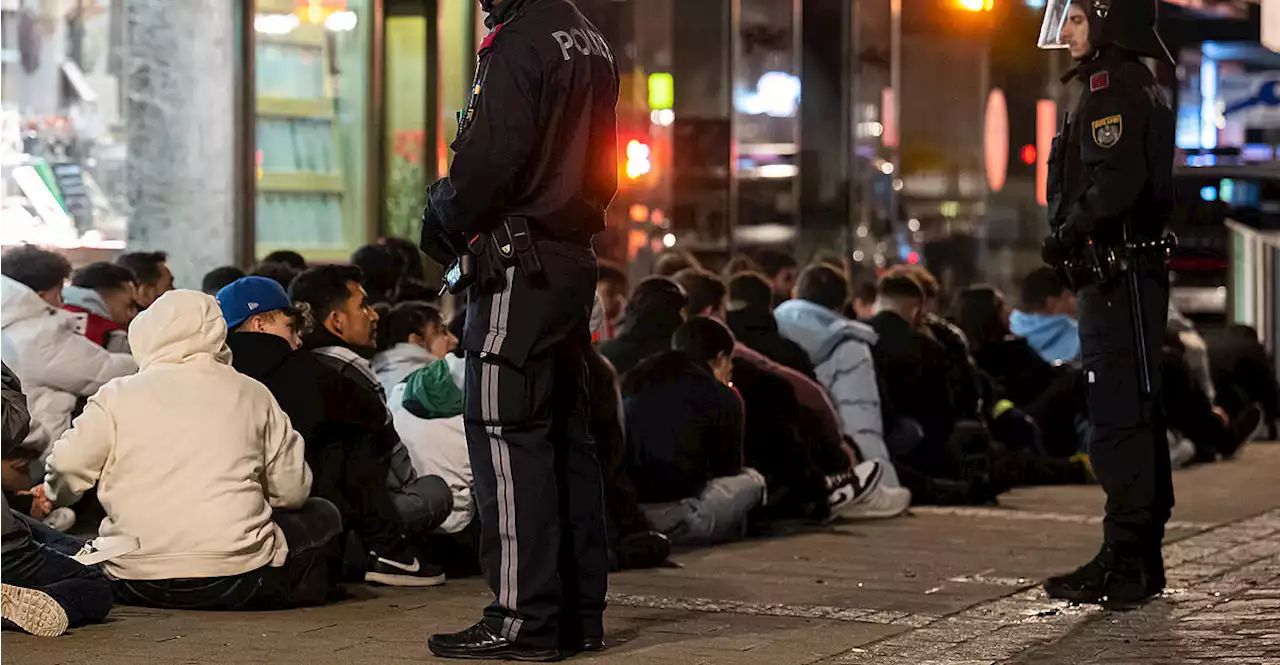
(1099, 81)
(1106, 131)
(488, 39)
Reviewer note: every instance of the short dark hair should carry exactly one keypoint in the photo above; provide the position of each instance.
(382, 268)
(657, 294)
(921, 275)
(774, 261)
(103, 276)
(704, 289)
(146, 265)
(670, 263)
(900, 287)
(865, 291)
(703, 339)
(217, 278)
(612, 273)
(283, 273)
(409, 254)
(39, 269)
(823, 285)
(324, 288)
(288, 257)
(750, 290)
(1038, 286)
(405, 319)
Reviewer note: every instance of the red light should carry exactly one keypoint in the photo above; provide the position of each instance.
(1028, 154)
(913, 258)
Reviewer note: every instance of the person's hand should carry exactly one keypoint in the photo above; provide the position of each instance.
(41, 506)
(1053, 251)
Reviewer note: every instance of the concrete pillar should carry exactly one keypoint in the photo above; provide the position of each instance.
(180, 113)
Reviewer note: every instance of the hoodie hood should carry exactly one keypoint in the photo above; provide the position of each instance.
(430, 392)
(87, 299)
(179, 327)
(1056, 337)
(19, 303)
(402, 359)
(819, 330)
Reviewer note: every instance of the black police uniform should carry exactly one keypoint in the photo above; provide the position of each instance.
(1111, 166)
(537, 145)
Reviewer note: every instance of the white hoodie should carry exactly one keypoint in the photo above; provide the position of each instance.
(189, 456)
(57, 365)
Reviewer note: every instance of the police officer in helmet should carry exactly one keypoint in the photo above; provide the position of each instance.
(1110, 196)
(535, 167)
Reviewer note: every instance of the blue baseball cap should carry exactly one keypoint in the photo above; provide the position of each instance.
(247, 296)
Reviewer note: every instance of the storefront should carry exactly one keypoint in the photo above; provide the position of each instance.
(338, 114)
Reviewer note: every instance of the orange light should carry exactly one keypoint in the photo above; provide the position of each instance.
(913, 258)
(975, 5)
(1046, 127)
(639, 212)
(1028, 154)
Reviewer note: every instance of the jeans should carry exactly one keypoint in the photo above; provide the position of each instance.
(308, 575)
(423, 504)
(82, 591)
(718, 514)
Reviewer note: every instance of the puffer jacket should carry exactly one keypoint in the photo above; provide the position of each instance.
(396, 363)
(840, 349)
(94, 320)
(58, 366)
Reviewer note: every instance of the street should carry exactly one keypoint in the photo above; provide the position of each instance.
(944, 586)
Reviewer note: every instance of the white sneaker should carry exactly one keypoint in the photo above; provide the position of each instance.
(61, 519)
(105, 548)
(881, 502)
(35, 612)
(852, 487)
(1181, 451)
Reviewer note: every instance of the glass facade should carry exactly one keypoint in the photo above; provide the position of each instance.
(62, 148)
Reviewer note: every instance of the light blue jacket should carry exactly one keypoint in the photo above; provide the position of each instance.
(1056, 337)
(840, 350)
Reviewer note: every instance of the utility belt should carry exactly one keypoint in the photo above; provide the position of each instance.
(484, 265)
(1096, 264)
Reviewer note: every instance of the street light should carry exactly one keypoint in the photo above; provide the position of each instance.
(975, 5)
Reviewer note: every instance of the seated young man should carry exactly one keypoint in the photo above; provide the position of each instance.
(342, 338)
(104, 298)
(44, 590)
(338, 422)
(750, 317)
(411, 336)
(58, 366)
(1046, 317)
(198, 462)
(656, 309)
(684, 432)
(152, 270)
(808, 472)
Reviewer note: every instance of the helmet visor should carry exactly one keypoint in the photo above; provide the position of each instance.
(1055, 16)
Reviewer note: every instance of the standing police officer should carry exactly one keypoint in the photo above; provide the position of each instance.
(535, 167)
(1110, 195)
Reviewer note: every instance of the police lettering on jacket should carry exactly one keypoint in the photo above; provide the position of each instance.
(586, 42)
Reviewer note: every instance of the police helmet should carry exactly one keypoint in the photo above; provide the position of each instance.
(1129, 24)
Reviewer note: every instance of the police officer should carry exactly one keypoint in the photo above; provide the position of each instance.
(535, 166)
(1110, 195)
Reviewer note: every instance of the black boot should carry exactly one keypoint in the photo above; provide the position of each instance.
(1153, 560)
(1115, 579)
(480, 642)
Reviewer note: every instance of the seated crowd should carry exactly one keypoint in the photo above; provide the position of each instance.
(258, 443)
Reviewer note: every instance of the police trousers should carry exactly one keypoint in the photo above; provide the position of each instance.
(537, 478)
(1127, 444)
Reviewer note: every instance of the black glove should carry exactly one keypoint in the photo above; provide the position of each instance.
(1054, 252)
(437, 243)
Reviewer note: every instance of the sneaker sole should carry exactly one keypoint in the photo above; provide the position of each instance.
(501, 653)
(33, 611)
(389, 579)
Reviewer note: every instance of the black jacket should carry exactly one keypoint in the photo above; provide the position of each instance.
(911, 369)
(684, 428)
(538, 137)
(759, 330)
(14, 423)
(641, 337)
(1020, 374)
(1116, 160)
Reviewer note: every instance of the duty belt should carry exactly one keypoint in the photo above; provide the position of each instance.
(1098, 264)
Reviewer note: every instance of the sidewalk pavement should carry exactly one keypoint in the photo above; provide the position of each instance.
(942, 586)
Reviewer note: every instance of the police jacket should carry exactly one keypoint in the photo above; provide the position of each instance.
(1114, 158)
(538, 137)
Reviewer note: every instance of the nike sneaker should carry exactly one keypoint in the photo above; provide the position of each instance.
(402, 567)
